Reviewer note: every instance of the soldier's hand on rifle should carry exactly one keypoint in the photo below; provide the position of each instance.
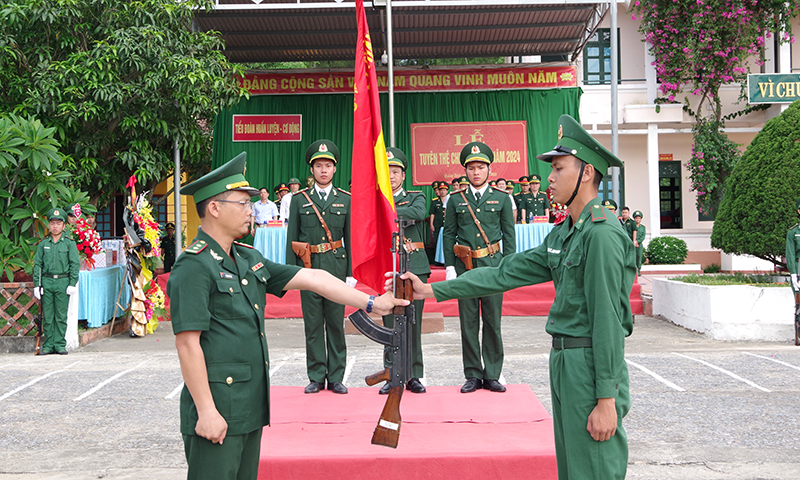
(37, 292)
(421, 290)
(385, 303)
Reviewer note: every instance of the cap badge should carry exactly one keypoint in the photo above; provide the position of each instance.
(476, 149)
(560, 131)
(56, 213)
(389, 155)
(323, 147)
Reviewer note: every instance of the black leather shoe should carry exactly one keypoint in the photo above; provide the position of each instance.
(337, 387)
(313, 387)
(494, 386)
(62, 352)
(415, 386)
(385, 389)
(471, 385)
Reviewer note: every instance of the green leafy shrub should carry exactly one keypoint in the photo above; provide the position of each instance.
(666, 251)
(738, 278)
(758, 206)
(713, 268)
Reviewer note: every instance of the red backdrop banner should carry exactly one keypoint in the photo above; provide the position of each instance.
(267, 128)
(413, 80)
(436, 148)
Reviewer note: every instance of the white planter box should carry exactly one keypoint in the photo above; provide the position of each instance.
(732, 312)
(681, 267)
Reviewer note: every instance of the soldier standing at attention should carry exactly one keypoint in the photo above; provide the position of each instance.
(628, 224)
(168, 246)
(591, 264)
(410, 206)
(638, 240)
(521, 199)
(320, 222)
(436, 212)
(541, 205)
(217, 290)
(793, 250)
(477, 219)
(56, 267)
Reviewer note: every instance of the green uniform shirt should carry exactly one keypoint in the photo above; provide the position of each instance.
(437, 210)
(522, 201)
(57, 258)
(306, 227)
(539, 203)
(411, 206)
(224, 300)
(629, 226)
(592, 268)
(494, 211)
(640, 233)
(792, 248)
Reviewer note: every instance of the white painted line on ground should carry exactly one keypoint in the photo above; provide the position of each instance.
(174, 392)
(106, 382)
(656, 376)
(35, 380)
(6, 365)
(350, 362)
(502, 379)
(772, 360)
(726, 372)
(278, 366)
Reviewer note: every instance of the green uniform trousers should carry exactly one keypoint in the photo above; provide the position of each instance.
(55, 303)
(417, 368)
(326, 353)
(639, 257)
(572, 389)
(470, 311)
(235, 459)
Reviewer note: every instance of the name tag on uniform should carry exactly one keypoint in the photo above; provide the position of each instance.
(307, 205)
(463, 204)
(226, 275)
(47, 248)
(492, 201)
(403, 203)
(553, 250)
(338, 205)
(256, 266)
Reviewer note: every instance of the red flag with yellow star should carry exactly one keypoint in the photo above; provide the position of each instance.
(372, 203)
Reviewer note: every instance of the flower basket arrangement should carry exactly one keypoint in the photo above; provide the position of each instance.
(86, 238)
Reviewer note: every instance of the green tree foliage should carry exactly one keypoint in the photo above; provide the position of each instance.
(666, 251)
(32, 181)
(759, 203)
(120, 81)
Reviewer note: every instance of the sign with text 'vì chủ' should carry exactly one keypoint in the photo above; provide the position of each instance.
(414, 80)
(436, 149)
(773, 88)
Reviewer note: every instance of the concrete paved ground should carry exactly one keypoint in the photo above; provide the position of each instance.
(702, 409)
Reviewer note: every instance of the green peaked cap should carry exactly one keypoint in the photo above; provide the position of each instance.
(476, 152)
(574, 140)
(322, 149)
(57, 214)
(397, 158)
(228, 177)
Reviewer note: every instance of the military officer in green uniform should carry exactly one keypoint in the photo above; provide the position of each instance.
(410, 207)
(592, 267)
(320, 217)
(638, 239)
(793, 250)
(168, 246)
(628, 224)
(217, 290)
(541, 205)
(56, 267)
(522, 198)
(477, 241)
(436, 211)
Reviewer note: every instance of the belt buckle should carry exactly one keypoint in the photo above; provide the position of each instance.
(55, 276)
(324, 247)
(558, 343)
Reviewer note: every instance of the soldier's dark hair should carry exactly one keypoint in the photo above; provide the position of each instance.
(203, 206)
(625, 208)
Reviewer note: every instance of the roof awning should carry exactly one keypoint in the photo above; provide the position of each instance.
(305, 30)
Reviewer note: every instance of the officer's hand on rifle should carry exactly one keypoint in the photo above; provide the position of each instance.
(421, 290)
(385, 303)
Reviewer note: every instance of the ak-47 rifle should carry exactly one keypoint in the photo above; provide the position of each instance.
(397, 345)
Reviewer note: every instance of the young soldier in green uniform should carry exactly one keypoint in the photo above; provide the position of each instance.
(217, 290)
(793, 250)
(638, 240)
(541, 205)
(478, 241)
(56, 267)
(320, 217)
(591, 264)
(410, 206)
(522, 199)
(628, 224)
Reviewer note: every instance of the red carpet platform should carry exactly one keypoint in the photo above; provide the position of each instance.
(445, 435)
(534, 300)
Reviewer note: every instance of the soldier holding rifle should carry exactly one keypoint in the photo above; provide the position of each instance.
(792, 253)
(217, 289)
(591, 263)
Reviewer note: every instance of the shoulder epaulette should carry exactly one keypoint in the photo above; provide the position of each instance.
(598, 214)
(434, 198)
(343, 191)
(518, 193)
(244, 245)
(196, 247)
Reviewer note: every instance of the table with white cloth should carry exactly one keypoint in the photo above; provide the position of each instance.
(529, 235)
(271, 242)
(97, 294)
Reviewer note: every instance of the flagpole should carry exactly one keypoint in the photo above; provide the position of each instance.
(391, 70)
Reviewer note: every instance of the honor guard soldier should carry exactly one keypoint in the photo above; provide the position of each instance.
(56, 267)
(522, 199)
(217, 291)
(319, 236)
(410, 207)
(541, 205)
(168, 246)
(436, 211)
(477, 219)
(793, 250)
(590, 262)
(638, 240)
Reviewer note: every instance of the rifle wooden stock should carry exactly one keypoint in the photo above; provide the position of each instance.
(376, 378)
(387, 433)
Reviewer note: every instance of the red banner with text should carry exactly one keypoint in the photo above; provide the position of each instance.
(414, 80)
(267, 128)
(436, 149)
